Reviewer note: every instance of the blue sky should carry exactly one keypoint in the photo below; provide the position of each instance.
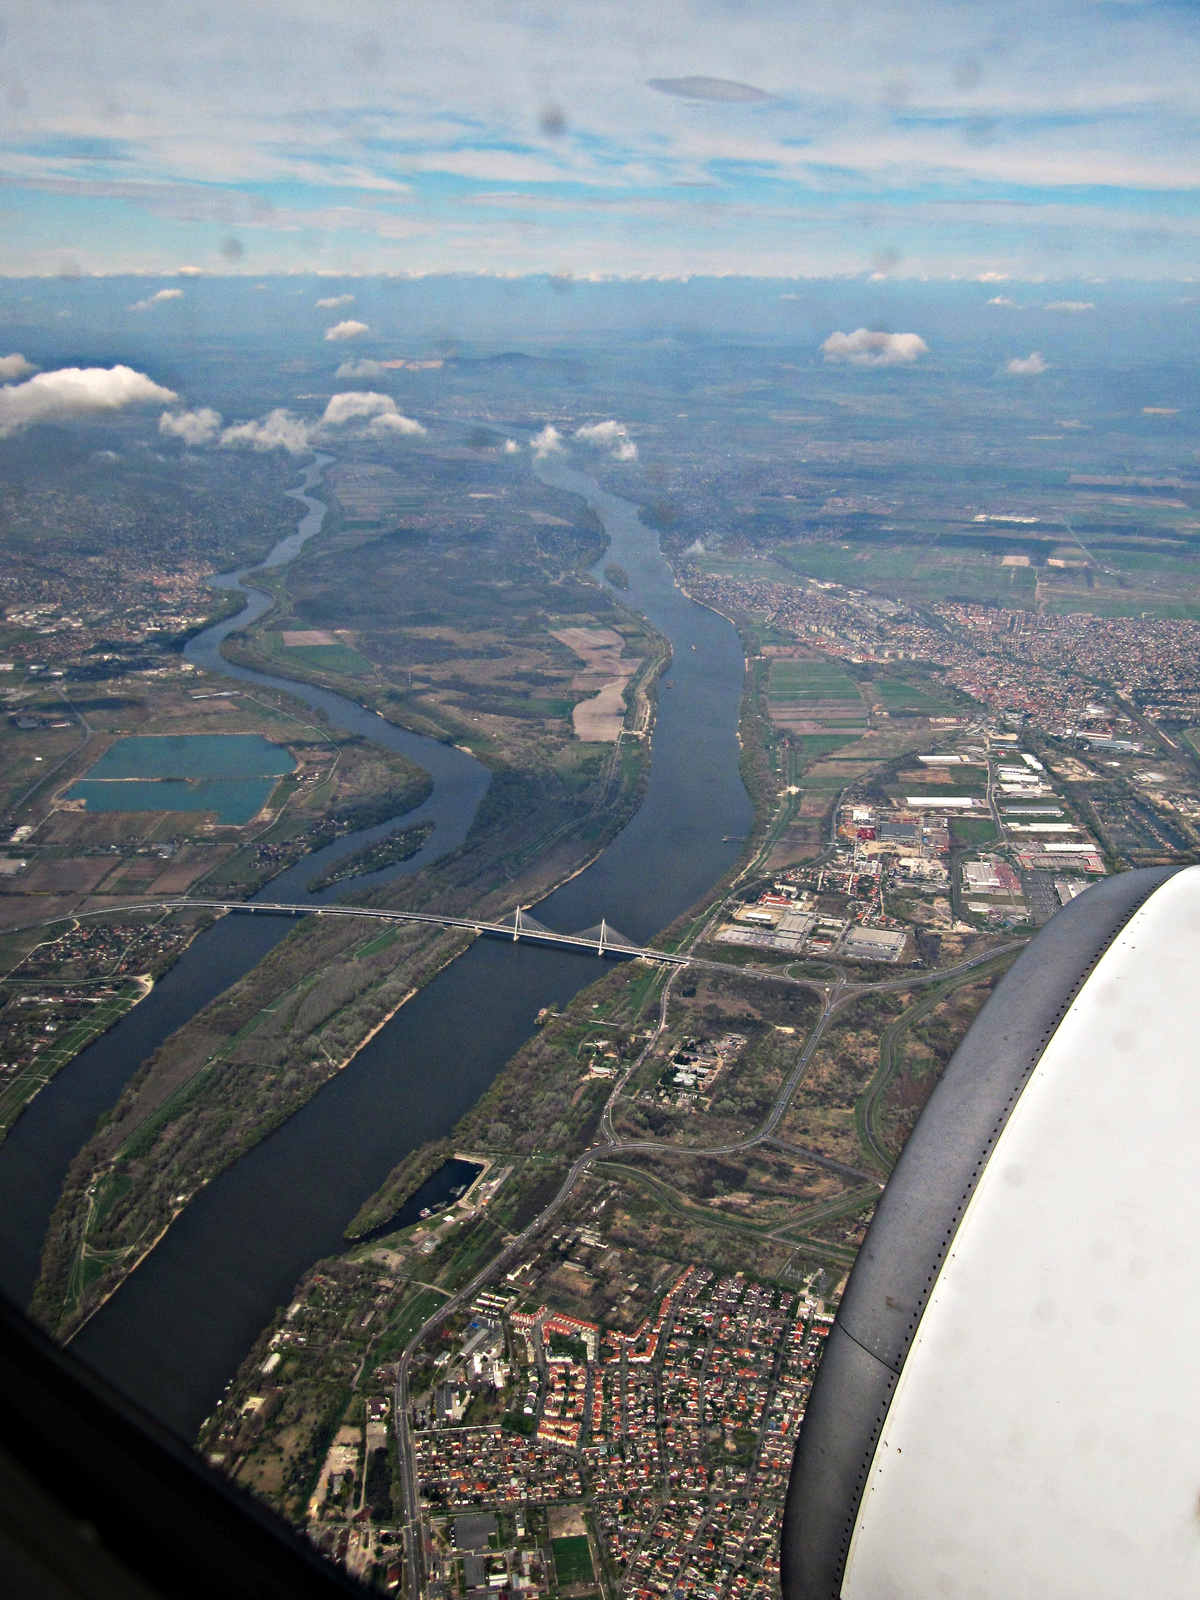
(999, 142)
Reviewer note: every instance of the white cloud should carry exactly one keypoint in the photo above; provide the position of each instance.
(1070, 305)
(992, 277)
(14, 366)
(511, 447)
(76, 392)
(388, 422)
(1027, 366)
(547, 443)
(278, 430)
(1081, 96)
(346, 330)
(157, 299)
(378, 411)
(610, 436)
(1002, 300)
(193, 427)
(189, 272)
(866, 348)
(334, 301)
(361, 369)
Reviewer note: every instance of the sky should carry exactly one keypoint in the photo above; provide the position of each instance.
(1023, 142)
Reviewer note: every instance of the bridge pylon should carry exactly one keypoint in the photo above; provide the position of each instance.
(522, 922)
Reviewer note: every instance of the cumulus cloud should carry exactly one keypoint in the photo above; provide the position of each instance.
(378, 411)
(334, 301)
(1070, 305)
(189, 272)
(361, 369)
(867, 348)
(547, 443)
(1027, 366)
(390, 422)
(511, 447)
(1002, 300)
(157, 299)
(278, 430)
(76, 392)
(193, 427)
(14, 366)
(610, 436)
(346, 330)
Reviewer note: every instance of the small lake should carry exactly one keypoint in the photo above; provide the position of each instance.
(451, 1180)
(232, 774)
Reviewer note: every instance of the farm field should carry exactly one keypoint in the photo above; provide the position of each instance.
(815, 697)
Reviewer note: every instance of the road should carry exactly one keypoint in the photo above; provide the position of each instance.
(14, 810)
(868, 1106)
(607, 943)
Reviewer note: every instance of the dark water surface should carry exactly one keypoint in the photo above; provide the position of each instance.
(173, 1334)
(448, 1183)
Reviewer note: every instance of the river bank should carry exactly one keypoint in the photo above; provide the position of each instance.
(175, 1331)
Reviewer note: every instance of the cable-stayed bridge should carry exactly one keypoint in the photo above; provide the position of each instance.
(602, 940)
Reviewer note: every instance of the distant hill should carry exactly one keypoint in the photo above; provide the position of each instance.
(518, 361)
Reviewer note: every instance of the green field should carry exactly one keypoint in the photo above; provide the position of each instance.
(917, 571)
(1142, 604)
(815, 745)
(573, 1560)
(938, 791)
(812, 682)
(973, 831)
(898, 696)
(328, 658)
(825, 782)
(414, 1314)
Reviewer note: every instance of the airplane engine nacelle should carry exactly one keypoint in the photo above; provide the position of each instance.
(1009, 1400)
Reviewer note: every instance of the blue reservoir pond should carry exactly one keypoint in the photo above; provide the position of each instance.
(232, 774)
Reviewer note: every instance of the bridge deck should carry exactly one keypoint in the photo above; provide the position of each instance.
(608, 943)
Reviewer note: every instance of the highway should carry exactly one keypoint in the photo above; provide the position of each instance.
(602, 941)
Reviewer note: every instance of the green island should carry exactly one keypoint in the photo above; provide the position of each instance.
(388, 852)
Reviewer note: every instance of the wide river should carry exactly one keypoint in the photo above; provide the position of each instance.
(173, 1334)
